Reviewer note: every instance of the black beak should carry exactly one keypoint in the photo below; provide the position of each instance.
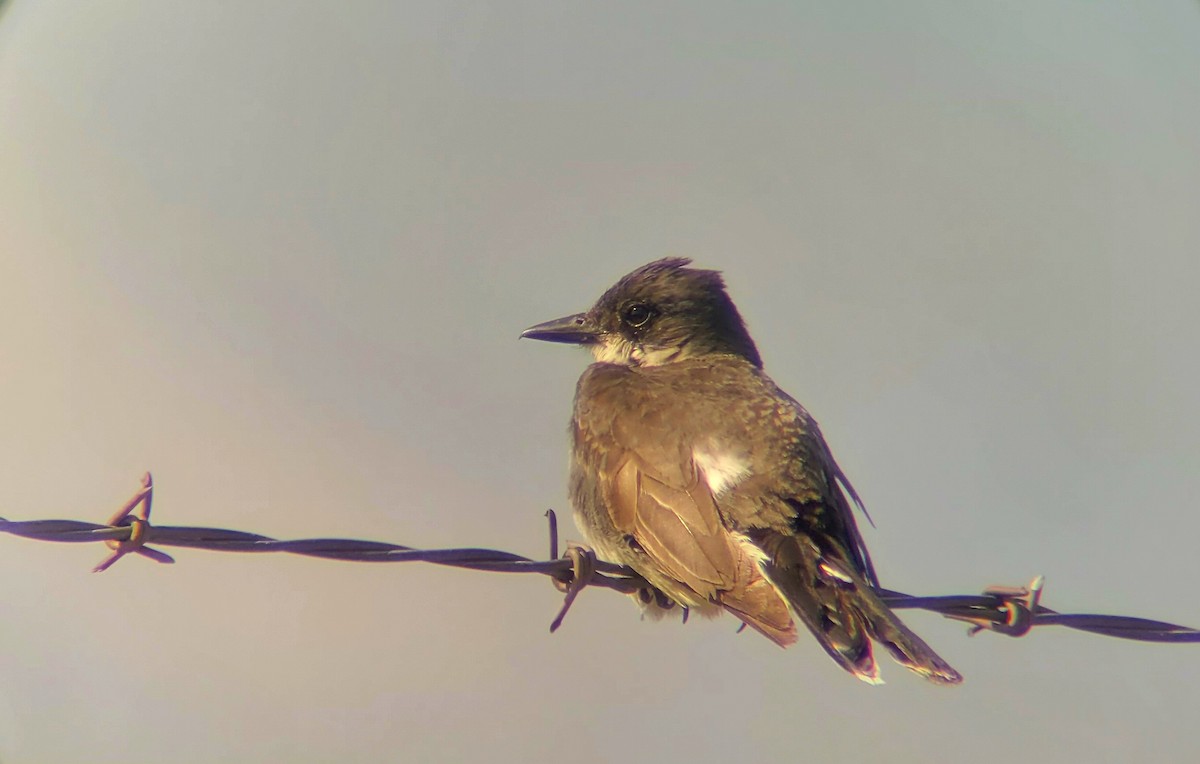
(575, 330)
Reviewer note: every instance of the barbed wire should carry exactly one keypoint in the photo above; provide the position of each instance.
(1006, 610)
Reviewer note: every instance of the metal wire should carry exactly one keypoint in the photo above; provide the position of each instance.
(1007, 610)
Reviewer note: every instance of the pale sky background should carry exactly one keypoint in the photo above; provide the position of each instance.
(279, 254)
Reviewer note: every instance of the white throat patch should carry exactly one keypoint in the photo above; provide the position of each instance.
(616, 349)
(613, 349)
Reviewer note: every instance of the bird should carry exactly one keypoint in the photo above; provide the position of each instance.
(692, 467)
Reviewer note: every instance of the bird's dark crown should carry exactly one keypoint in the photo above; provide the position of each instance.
(665, 312)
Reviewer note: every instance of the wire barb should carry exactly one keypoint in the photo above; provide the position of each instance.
(138, 524)
(1012, 613)
(583, 570)
(1007, 610)
(552, 519)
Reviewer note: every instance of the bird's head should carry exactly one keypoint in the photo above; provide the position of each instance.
(661, 313)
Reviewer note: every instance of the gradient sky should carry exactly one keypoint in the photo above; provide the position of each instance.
(279, 254)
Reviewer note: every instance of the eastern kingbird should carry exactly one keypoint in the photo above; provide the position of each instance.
(692, 467)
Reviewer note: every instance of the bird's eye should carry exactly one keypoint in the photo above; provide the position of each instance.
(637, 315)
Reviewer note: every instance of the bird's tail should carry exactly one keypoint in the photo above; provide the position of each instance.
(843, 611)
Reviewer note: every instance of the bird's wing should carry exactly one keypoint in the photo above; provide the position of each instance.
(675, 522)
(656, 495)
(649, 483)
(680, 530)
(819, 496)
(641, 457)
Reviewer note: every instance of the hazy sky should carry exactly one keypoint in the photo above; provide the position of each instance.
(279, 254)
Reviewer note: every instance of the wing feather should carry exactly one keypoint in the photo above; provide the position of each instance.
(677, 526)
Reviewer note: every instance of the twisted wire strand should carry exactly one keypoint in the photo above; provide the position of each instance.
(1008, 610)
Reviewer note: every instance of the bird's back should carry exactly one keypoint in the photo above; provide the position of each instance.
(719, 489)
(759, 451)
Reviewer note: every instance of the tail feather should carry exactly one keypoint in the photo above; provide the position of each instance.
(843, 612)
(909, 650)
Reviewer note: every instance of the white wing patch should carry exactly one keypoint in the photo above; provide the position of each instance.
(720, 470)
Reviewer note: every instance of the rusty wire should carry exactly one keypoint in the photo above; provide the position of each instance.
(1007, 610)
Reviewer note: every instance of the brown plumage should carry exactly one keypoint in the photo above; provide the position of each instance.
(692, 467)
